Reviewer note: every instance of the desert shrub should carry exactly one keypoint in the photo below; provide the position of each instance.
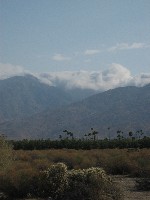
(41, 164)
(114, 161)
(28, 182)
(51, 182)
(18, 183)
(119, 165)
(91, 184)
(64, 159)
(58, 183)
(143, 184)
(6, 154)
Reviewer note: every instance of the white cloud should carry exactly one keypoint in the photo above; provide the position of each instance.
(60, 57)
(91, 52)
(115, 76)
(140, 80)
(126, 46)
(9, 70)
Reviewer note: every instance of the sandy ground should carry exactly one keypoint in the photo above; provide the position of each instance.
(129, 190)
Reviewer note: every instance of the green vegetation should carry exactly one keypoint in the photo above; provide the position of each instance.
(69, 142)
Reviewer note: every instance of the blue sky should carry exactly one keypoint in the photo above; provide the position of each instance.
(73, 35)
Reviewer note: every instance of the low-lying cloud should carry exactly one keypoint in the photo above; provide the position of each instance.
(9, 70)
(115, 76)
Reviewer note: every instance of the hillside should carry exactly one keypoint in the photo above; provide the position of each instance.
(23, 96)
(125, 108)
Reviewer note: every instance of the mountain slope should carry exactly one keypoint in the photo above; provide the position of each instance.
(22, 96)
(125, 108)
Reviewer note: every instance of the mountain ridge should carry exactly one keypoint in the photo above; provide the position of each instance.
(126, 108)
(22, 96)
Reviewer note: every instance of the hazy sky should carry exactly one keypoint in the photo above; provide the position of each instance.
(73, 35)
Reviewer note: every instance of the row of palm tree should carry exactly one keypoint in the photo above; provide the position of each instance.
(93, 135)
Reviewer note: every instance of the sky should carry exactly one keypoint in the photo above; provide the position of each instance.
(89, 36)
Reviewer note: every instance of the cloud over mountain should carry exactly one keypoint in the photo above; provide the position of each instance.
(115, 76)
(9, 70)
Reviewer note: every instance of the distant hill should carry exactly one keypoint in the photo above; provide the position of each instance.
(126, 108)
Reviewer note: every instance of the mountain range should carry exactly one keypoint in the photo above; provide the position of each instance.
(31, 109)
(23, 96)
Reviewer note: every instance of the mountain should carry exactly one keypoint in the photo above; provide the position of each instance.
(126, 108)
(22, 96)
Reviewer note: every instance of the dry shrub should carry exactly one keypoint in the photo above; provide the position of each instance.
(6, 154)
(41, 164)
(22, 155)
(59, 184)
(143, 184)
(115, 161)
(17, 184)
(92, 184)
(119, 165)
(140, 162)
(52, 182)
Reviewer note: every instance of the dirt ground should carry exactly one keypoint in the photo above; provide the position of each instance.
(129, 190)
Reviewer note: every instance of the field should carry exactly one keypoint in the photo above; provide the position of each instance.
(113, 161)
(65, 173)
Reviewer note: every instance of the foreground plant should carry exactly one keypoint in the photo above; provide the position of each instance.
(58, 183)
(5, 154)
(143, 184)
(91, 184)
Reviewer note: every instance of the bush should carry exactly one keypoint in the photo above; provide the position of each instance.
(28, 182)
(143, 184)
(57, 183)
(51, 182)
(18, 183)
(91, 184)
(5, 154)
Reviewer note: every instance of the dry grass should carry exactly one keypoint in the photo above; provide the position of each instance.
(115, 161)
(24, 171)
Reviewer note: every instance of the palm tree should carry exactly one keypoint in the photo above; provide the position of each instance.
(119, 135)
(94, 133)
(60, 137)
(130, 133)
(108, 133)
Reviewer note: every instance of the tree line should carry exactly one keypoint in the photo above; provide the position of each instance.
(89, 141)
